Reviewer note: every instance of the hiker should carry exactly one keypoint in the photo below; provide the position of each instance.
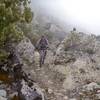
(42, 46)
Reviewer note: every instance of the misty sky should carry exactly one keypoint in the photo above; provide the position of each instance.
(80, 13)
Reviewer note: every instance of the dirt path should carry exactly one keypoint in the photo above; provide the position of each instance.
(48, 79)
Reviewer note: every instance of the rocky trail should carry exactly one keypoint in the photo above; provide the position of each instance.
(49, 80)
(65, 75)
(68, 74)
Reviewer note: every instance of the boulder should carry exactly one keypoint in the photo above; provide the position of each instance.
(91, 87)
(3, 93)
(78, 58)
(29, 93)
(3, 98)
(25, 50)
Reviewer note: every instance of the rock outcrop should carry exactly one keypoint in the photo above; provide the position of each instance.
(15, 83)
(77, 57)
(69, 73)
(25, 50)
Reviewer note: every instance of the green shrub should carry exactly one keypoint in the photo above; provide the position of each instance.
(12, 12)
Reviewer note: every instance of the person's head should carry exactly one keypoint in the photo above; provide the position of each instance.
(43, 36)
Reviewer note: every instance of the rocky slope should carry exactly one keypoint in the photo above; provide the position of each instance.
(77, 58)
(73, 71)
(71, 67)
(70, 72)
(15, 82)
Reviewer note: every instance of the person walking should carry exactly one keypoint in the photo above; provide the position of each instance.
(42, 46)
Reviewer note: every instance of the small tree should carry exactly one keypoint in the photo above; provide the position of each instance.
(13, 12)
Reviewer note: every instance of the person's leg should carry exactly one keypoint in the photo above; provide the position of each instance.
(44, 55)
(41, 57)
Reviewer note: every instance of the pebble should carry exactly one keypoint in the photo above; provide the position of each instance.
(50, 91)
(66, 98)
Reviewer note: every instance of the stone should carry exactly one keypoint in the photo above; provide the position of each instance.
(98, 96)
(3, 93)
(3, 98)
(50, 91)
(65, 97)
(81, 94)
(92, 86)
(25, 50)
(29, 93)
(77, 57)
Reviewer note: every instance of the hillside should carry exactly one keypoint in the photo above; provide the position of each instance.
(71, 68)
(72, 72)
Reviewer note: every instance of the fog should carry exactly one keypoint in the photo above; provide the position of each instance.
(82, 14)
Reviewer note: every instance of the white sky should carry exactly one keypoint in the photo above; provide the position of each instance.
(83, 13)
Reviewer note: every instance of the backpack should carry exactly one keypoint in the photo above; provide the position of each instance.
(43, 43)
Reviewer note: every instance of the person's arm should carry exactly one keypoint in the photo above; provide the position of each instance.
(47, 42)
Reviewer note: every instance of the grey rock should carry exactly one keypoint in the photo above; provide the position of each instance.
(3, 93)
(50, 91)
(3, 98)
(79, 53)
(65, 97)
(25, 50)
(29, 93)
(98, 96)
(92, 86)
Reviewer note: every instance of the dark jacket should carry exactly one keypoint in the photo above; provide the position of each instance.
(42, 43)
